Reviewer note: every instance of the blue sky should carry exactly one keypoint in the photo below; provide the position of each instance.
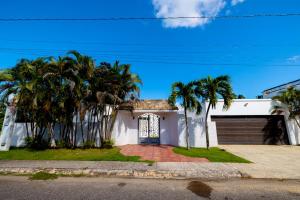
(257, 53)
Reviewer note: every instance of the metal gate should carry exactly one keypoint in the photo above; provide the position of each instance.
(149, 129)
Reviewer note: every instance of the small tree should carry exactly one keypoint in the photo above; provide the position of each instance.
(210, 89)
(239, 96)
(186, 94)
(289, 102)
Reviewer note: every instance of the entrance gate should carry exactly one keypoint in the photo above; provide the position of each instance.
(149, 128)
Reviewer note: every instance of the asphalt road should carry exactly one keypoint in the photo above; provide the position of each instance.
(143, 189)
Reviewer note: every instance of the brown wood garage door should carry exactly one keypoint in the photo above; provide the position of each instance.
(251, 129)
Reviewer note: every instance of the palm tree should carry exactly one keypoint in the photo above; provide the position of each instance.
(211, 89)
(54, 90)
(84, 66)
(126, 88)
(18, 82)
(110, 86)
(186, 94)
(288, 100)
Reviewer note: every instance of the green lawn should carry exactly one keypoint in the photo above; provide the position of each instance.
(214, 154)
(68, 154)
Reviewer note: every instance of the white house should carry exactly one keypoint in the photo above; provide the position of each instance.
(247, 121)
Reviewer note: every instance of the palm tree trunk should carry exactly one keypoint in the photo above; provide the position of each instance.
(51, 133)
(113, 121)
(36, 130)
(206, 126)
(32, 128)
(187, 136)
(75, 133)
(101, 132)
(82, 134)
(93, 125)
(27, 130)
(88, 126)
(26, 125)
(60, 130)
(105, 124)
(63, 133)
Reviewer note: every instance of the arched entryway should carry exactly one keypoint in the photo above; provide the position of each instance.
(149, 128)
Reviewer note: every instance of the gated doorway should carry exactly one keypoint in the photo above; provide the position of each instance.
(149, 128)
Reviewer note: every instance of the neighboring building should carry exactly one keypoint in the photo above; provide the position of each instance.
(247, 121)
(269, 93)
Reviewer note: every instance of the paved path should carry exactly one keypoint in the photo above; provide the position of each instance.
(268, 161)
(158, 153)
(131, 189)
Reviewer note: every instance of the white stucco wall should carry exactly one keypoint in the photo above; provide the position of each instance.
(243, 107)
(125, 130)
(169, 132)
(255, 107)
(196, 126)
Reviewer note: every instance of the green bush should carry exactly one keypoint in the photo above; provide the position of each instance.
(88, 145)
(35, 143)
(108, 144)
(62, 144)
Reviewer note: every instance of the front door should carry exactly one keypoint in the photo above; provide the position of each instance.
(149, 129)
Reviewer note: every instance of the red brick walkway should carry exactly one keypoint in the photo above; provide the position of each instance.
(158, 153)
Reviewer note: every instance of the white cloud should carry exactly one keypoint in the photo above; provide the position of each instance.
(235, 2)
(187, 8)
(294, 59)
(190, 8)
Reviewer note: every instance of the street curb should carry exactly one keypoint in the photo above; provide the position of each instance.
(154, 174)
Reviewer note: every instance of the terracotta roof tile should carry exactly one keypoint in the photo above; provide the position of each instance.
(156, 104)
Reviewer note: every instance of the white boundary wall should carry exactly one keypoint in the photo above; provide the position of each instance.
(172, 124)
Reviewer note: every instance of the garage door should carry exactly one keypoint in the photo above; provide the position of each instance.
(251, 129)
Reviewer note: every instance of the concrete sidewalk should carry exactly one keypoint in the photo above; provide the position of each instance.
(167, 170)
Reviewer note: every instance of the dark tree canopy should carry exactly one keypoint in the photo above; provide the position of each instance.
(52, 91)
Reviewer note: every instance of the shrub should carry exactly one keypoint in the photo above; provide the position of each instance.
(35, 143)
(88, 145)
(108, 144)
(63, 144)
(60, 144)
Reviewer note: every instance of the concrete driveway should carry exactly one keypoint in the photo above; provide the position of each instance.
(268, 161)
